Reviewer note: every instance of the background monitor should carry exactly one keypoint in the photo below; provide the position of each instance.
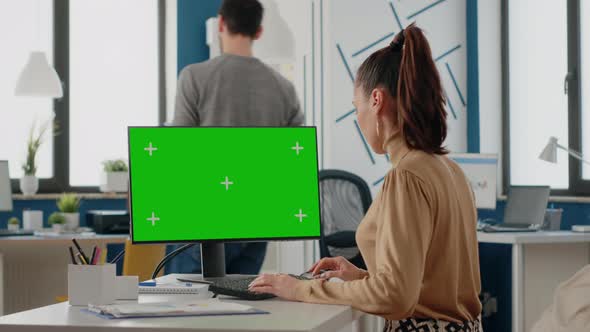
(223, 184)
(5, 188)
(481, 170)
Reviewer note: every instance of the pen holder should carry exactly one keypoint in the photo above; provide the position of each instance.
(92, 284)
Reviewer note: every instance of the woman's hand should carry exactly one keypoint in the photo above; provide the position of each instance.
(338, 267)
(281, 285)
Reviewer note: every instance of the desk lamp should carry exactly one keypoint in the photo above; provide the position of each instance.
(549, 153)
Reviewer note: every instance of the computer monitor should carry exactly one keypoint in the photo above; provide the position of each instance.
(5, 188)
(221, 184)
(481, 170)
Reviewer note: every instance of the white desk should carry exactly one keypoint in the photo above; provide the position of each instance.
(33, 269)
(284, 316)
(543, 259)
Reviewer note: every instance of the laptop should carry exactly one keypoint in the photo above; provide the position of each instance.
(525, 210)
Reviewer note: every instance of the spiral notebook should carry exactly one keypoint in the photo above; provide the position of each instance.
(175, 288)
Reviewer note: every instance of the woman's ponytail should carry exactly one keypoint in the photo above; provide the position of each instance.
(407, 69)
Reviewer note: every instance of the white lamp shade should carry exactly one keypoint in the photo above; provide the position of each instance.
(549, 153)
(38, 78)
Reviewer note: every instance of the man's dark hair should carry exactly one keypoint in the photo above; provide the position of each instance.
(242, 16)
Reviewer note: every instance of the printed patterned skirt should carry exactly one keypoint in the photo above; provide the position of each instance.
(431, 325)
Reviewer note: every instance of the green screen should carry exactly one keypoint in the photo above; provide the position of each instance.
(211, 183)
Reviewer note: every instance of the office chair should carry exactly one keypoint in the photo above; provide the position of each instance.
(344, 200)
(140, 260)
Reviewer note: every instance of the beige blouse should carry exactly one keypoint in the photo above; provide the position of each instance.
(419, 242)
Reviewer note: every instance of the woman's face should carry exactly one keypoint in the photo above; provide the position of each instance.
(368, 108)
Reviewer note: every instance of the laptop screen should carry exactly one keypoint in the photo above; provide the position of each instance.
(526, 205)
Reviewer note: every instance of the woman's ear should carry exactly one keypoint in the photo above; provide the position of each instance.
(377, 100)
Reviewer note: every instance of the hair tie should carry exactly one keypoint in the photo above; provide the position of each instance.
(398, 43)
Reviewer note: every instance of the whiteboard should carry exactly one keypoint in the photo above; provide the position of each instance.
(5, 189)
(481, 170)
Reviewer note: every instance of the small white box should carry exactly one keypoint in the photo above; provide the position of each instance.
(127, 287)
(33, 220)
(92, 284)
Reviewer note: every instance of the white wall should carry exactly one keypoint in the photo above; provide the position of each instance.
(171, 56)
(353, 25)
(490, 79)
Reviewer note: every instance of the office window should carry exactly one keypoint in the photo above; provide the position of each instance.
(546, 78)
(114, 80)
(538, 106)
(585, 83)
(25, 26)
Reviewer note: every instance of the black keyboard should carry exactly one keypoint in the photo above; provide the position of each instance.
(237, 286)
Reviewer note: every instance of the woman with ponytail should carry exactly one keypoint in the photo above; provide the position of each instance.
(419, 237)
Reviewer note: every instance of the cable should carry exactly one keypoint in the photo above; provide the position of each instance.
(116, 259)
(168, 257)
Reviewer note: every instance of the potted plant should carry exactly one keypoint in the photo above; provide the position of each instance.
(13, 224)
(115, 176)
(68, 205)
(29, 184)
(56, 220)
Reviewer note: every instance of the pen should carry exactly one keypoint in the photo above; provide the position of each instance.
(96, 256)
(93, 255)
(72, 256)
(81, 257)
(80, 250)
(103, 256)
(148, 283)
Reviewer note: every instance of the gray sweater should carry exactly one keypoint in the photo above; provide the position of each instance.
(232, 90)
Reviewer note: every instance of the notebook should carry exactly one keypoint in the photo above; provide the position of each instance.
(175, 288)
(208, 307)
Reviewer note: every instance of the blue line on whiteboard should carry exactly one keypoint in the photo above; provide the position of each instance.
(455, 83)
(448, 52)
(399, 23)
(376, 183)
(345, 63)
(358, 129)
(389, 35)
(346, 115)
(425, 9)
(451, 106)
(482, 161)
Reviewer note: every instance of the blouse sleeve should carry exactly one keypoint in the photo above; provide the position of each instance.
(404, 231)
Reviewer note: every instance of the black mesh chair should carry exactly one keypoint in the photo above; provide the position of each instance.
(344, 199)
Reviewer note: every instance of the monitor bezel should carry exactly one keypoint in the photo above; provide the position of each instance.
(296, 238)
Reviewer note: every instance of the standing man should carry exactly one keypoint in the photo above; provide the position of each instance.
(235, 89)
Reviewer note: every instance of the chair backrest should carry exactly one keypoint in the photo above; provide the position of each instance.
(141, 260)
(344, 200)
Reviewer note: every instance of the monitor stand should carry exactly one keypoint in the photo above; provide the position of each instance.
(213, 259)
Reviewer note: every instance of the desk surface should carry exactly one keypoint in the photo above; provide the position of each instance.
(533, 237)
(284, 316)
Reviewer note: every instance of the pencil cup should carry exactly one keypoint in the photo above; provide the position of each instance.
(92, 284)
